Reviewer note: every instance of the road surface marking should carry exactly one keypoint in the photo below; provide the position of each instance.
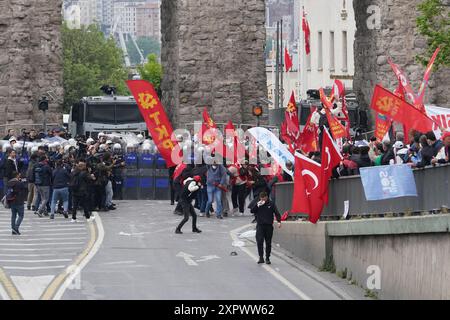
(36, 261)
(32, 255)
(206, 258)
(31, 288)
(33, 268)
(40, 244)
(20, 249)
(3, 293)
(187, 258)
(42, 239)
(59, 286)
(278, 276)
(9, 287)
(119, 262)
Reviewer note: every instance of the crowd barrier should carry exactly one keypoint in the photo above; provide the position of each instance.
(145, 178)
(432, 188)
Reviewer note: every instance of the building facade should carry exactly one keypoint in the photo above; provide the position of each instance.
(333, 28)
(148, 20)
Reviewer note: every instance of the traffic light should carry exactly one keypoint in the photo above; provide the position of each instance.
(43, 104)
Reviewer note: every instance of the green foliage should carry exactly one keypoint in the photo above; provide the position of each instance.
(371, 294)
(328, 265)
(148, 45)
(434, 24)
(152, 71)
(90, 61)
(342, 273)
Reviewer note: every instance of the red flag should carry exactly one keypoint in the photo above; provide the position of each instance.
(208, 132)
(155, 117)
(387, 103)
(238, 151)
(337, 129)
(338, 91)
(286, 137)
(331, 158)
(307, 32)
(178, 170)
(403, 80)
(307, 190)
(308, 137)
(287, 60)
(291, 116)
(426, 77)
(382, 126)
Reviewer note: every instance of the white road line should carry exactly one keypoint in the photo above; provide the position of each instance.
(92, 253)
(33, 268)
(37, 261)
(24, 236)
(48, 249)
(41, 239)
(40, 244)
(33, 255)
(3, 293)
(278, 276)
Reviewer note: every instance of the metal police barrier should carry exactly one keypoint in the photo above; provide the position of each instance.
(432, 187)
(162, 184)
(132, 176)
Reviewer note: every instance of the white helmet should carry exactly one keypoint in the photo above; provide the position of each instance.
(109, 142)
(117, 146)
(101, 134)
(102, 147)
(18, 147)
(34, 149)
(146, 147)
(72, 142)
(140, 137)
(67, 148)
(90, 141)
(6, 146)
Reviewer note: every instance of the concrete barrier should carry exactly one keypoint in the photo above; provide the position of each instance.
(412, 253)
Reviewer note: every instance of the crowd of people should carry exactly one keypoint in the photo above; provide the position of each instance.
(59, 177)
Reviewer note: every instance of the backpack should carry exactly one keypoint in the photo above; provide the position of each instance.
(37, 174)
(9, 197)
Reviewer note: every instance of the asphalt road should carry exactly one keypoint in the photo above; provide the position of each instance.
(133, 253)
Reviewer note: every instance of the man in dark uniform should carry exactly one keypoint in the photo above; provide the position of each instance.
(265, 210)
(188, 193)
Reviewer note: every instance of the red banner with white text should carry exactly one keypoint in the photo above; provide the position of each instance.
(155, 117)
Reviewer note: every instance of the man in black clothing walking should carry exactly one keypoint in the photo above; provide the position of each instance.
(265, 210)
(189, 193)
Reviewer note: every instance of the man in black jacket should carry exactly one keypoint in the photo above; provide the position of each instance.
(80, 185)
(42, 174)
(189, 192)
(19, 195)
(265, 210)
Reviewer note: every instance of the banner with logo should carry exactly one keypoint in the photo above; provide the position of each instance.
(273, 145)
(388, 182)
(155, 117)
(440, 117)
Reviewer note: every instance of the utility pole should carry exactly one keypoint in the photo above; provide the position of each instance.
(277, 68)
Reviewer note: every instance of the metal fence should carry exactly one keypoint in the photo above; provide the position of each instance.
(432, 188)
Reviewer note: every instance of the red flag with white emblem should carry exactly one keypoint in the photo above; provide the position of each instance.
(307, 196)
(331, 158)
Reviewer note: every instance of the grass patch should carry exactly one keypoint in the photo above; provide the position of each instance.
(328, 265)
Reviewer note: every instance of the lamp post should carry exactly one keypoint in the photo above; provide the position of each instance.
(43, 106)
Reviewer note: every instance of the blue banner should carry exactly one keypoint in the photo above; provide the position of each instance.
(388, 182)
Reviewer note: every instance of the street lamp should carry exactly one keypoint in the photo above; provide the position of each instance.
(257, 112)
(43, 106)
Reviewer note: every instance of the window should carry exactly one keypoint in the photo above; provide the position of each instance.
(320, 52)
(344, 52)
(332, 60)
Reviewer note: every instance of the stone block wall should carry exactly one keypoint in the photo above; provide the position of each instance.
(398, 38)
(213, 56)
(30, 60)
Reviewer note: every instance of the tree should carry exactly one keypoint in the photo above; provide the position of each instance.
(147, 45)
(152, 72)
(90, 61)
(434, 24)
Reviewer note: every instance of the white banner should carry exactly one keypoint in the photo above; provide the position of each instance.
(441, 116)
(273, 145)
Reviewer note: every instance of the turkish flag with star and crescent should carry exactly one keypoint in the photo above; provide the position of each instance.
(307, 189)
(331, 158)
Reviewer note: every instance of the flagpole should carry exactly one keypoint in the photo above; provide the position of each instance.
(282, 66)
(277, 67)
(304, 74)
